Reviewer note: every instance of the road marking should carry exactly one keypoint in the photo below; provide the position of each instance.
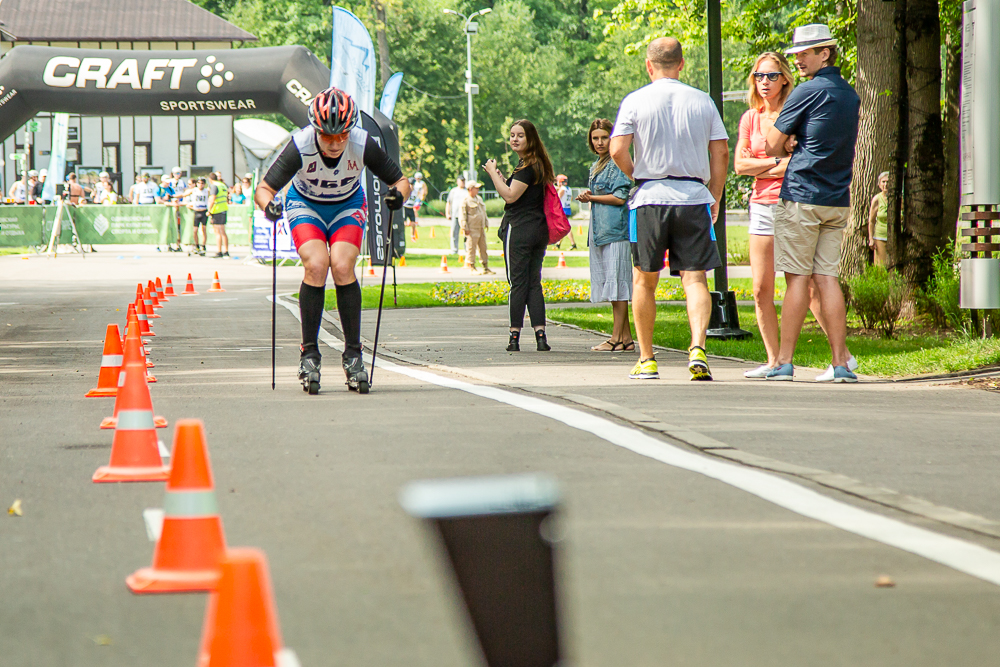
(957, 554)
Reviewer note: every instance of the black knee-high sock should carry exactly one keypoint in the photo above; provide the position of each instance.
(349, 306)
(311, 309)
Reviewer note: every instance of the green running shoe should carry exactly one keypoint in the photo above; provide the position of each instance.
(645, 370)
(698, 364)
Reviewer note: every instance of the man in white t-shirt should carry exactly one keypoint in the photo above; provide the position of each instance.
(681, 157)
(456, 196)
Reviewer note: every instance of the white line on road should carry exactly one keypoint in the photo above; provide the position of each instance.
(957, 554)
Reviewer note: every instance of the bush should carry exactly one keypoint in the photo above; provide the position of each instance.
(433, 207)
(738, 190)
(878, 296)
(494, 208)
(739, 253)
(939, 297)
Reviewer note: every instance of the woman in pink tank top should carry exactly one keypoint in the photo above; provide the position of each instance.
(769, 83)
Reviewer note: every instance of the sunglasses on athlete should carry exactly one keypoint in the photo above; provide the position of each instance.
(770, 76)
(334, 137)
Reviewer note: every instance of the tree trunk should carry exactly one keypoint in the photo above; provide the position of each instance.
(897, 171)
(384, 68)
(877, 83)
(922, 232)
(952, 103)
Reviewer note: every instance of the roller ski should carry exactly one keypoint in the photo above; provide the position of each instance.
(309, 365)
(354, 369)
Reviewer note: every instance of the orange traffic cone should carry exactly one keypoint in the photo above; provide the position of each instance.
(562, 261)
(444, 264)
(153, 294)
(138, 353)
(147, 299)
(159, 290)
(402, 260)
(371, 269)
(129, 320)
(188, 556)
(216, 287)
(142, 317)
(111, 363)
(189, 288)
(169, 291)
(241, 623)
(432, 232)
(135, 454)
(579, 230)
(133, 354)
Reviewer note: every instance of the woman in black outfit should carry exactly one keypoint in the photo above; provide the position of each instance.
(524, 231)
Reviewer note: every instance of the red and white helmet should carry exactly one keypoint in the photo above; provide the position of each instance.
(333, 112)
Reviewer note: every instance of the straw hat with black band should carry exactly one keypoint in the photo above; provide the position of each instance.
(812, 36)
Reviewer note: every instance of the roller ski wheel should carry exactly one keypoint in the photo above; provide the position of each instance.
(354, 370)
(309, 367)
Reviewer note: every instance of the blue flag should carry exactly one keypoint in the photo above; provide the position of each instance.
(57, 159)
(352, 59)
(389, 94)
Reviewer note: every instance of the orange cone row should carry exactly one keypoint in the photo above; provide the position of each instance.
(241, 623)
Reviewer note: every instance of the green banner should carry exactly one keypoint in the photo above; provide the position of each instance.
(104, 225)
(21, 226)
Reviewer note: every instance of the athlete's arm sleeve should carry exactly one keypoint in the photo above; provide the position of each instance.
(284, 167)
(380, 163)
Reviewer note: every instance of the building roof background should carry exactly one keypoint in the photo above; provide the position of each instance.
(115, 21)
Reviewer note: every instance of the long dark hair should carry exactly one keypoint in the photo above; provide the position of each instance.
(536, 156)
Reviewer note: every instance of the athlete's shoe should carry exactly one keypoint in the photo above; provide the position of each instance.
(645, 370)
(309, 368)
(698, 364)
(354, 369)
(827, 375)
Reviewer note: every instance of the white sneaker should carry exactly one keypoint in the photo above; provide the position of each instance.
(758, 373)
(827, 375)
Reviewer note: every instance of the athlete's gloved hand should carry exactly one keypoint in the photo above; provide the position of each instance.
(394, 199)
(273, 211)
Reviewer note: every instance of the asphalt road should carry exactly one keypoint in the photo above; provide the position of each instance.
(659, 564)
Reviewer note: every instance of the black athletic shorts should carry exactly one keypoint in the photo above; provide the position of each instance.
(219, 218)
(686, 231)
(200, 218)
(408, 214)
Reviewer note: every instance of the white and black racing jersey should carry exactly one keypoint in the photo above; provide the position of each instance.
(329, 180)
(199, 199)
(146, 192)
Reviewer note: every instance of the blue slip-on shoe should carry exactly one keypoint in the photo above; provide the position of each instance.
(841, 374)
(782, 372)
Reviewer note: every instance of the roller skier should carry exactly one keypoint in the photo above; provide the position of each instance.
(326, 210)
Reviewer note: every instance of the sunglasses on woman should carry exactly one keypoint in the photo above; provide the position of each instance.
(770, 76)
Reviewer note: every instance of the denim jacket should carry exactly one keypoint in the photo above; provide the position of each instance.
(609, 223)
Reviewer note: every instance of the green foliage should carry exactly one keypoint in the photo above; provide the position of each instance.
(877, 297)
(283, 23)
(939, 297)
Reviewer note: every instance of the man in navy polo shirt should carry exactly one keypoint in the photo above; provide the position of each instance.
(819, 126)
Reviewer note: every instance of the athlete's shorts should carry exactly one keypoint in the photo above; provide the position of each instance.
(340, 222)
(568, 211)
(409, 215)
(200, 218)
(686, 231)
(219, 218)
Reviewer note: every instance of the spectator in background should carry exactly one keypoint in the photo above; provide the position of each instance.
(878, 221)
(43, 174)
(819, 127)
(218, 209)
(146, 191)
(455, 197)
(610, 251)
(566, 199)
(474, 223)
(410, 209)
(104, 191)
(681, 158)
(74, 190)
(180, 183)
(34, 189)
(19, 189)
(236, 195)
(524, 230)
(198, 200)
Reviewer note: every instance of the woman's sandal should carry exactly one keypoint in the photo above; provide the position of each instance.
(629, 346)
(601, 348)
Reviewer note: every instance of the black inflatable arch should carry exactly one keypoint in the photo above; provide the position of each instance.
(100, 82)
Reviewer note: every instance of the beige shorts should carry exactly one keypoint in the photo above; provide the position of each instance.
(807, 238)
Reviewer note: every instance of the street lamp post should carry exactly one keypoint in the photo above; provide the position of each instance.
(471, 28)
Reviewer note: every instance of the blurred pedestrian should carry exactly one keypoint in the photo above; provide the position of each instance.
(19, 189)
(218, 209)
(104, 190)
(818, 126)
(474, 223)
(524, 230)
(198, 200)
(146, 191)
(455, 196)
(74, 190)
(34, 188)
(180, 183)
(878, 221)
(43, 174)
(411, 207)
(681, 158)
(566, 199)
(610, 251)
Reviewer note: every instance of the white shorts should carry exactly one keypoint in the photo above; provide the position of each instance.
(762, 219)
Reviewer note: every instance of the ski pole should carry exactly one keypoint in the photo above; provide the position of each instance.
(274, 294)
(378, 320)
